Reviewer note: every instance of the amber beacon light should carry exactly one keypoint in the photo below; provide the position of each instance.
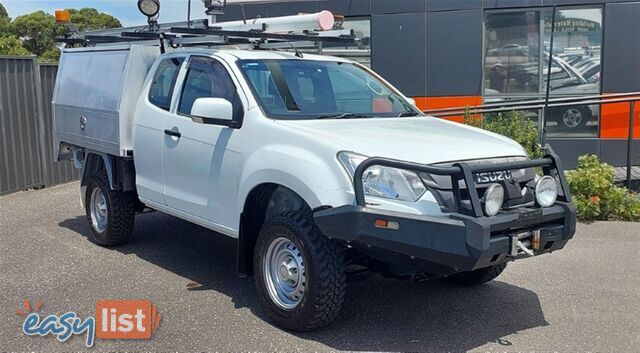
(62, 16)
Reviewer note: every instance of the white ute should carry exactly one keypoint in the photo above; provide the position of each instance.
(313, 163)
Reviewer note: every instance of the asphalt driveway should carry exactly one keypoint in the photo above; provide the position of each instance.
(584, 298)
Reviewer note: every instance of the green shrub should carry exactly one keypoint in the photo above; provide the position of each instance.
(592, 185)
(597, 197)
(513, 124)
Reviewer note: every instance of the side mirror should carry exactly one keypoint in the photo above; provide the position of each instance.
(412, 101)
(214, 111)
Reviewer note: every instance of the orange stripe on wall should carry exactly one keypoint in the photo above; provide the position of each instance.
(614, 121)
(427, 103)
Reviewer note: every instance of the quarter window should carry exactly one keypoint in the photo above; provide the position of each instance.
(163, 82)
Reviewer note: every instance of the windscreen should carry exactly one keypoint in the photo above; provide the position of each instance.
(308, 89)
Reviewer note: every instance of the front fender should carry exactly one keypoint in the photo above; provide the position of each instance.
(309, 175)
(272, 176)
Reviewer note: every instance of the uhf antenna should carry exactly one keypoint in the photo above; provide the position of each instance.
(189, 13)
(214, 8)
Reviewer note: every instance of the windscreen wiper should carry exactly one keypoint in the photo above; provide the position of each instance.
(344, 116)
(408, 114)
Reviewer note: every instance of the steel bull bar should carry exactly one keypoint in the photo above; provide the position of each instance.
(464, 239)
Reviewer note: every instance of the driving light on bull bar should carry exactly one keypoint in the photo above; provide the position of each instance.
(546, 191)
(493, 199)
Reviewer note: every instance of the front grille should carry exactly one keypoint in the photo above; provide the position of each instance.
(444, 181)
(525, 178)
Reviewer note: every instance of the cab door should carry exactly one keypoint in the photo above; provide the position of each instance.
(148, 130)
(201, 160)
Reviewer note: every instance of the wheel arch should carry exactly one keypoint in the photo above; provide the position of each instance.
(96, 161)
(93, 163)
(263, 201)
(120, 171)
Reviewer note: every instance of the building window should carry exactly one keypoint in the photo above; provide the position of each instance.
(512, 57)
(515, 42)
(576, 69)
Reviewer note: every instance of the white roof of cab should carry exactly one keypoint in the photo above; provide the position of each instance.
(229, 54)
(261, 54)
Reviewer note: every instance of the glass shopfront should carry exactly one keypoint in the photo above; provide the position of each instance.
(516, 62)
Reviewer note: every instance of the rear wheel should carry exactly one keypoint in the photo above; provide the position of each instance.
(299, 273)
(474, 278)
(111, 213)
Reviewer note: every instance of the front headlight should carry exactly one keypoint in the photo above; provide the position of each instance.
(385, 182)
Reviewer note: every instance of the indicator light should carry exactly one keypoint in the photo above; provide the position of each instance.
(385, 224)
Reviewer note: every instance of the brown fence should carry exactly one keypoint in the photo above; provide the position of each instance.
(26, 142)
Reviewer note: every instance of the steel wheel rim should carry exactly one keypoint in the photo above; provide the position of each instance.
(99, 211)
(284, 273)
(572, 118)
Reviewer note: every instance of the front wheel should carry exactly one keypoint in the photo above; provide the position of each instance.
(477, 277)
(111, 213)
(299, 273)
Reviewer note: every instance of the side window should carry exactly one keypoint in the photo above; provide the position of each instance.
(163, 82)
(207, 77)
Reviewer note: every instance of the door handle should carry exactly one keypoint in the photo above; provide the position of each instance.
(173, 133)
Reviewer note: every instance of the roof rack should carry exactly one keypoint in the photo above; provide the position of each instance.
(254, 34)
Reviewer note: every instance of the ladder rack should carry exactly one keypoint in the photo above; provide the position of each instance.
(255, 37)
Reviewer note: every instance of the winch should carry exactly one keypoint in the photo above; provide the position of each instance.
(525, 243)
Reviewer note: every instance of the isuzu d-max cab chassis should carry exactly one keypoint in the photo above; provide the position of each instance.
(312, 163)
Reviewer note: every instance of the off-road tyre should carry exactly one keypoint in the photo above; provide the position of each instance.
(477, 277)
(120, 212)
(324, 267)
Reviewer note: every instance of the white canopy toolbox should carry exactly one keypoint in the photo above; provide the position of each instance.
(95, 97)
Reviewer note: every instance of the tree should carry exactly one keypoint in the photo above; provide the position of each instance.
(90, 19)
(50, 56)
(3, 12)
(37, 31)
(10, 45)
(5, 20)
